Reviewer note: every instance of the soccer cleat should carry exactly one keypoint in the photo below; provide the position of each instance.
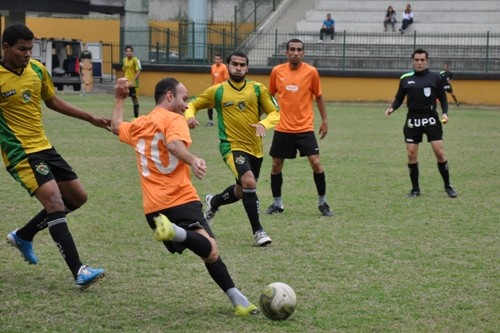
(413, 193)
(25, 247)
(87, 276)
(242, 311)
(164, 228)
(450, 191)
(210, 123)
(274, 210)
(458, 103)
(325, 210)
(261, 238)
(209, 213)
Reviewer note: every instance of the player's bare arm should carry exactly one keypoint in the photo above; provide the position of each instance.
(323, 129)
(67, 109)
(178, 149)
(121, 93)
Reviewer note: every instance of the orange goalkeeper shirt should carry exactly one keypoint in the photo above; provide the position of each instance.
(165, 180)
(295, 90)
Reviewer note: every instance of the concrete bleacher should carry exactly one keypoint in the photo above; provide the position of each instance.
(451, 31)
(430, 16)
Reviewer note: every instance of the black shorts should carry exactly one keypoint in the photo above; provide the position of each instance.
(240, 162)
(41, 167)
(448, 88)
(188, 216)
(416, 126)
(132, 92)
(286, 145)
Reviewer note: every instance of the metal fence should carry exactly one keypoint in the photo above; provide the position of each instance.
(196, 44)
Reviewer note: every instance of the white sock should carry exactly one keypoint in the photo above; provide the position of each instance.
(180, 234)
(278, 202)
(237, 298)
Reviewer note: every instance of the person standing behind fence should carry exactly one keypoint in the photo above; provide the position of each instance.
(447, 77)
(219, 74)
(390, 18)
(131, 70)
(407, 18)
(327, 28)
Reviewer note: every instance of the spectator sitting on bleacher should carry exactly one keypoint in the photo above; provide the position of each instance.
(327, 28)
(390, 18)
(407, 18)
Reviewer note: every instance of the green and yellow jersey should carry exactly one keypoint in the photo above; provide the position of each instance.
(238, 105)
(21, 96)
(130, 67)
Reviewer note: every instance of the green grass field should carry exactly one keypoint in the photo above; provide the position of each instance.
(383, 263)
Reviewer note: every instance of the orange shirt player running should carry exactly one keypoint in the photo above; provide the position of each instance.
(295, 93)
(159, 169)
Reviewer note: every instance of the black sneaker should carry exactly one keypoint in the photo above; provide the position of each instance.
(413, 193)
(325, 210)
(450, 191)
(274, 210)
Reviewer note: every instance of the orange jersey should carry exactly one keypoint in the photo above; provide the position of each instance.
(219, 73)
(295, 91)
(165, 181)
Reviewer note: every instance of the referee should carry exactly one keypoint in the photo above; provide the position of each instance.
(422, 87)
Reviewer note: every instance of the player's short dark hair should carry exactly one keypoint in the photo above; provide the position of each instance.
(420, 51)
(15, 32)
(129, 47)
(294, 40)
(237, 54)
(163, 87)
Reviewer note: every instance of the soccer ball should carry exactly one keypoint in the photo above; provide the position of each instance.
(277, 301)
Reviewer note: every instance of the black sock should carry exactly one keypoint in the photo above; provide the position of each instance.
(197, 243)
(39, 223)
(413, 169)
(225, 198)
(136, 110)
(319, 180)
(59, 231)
(276, 183)
(219, 273)
(251, 204)
(36, 224)
(443, 170)
(211, 114)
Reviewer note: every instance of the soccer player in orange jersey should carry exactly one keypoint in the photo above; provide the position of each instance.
(219, 74)
(172, 207)
(295, 83)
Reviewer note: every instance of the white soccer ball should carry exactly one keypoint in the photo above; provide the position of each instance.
(278, 301)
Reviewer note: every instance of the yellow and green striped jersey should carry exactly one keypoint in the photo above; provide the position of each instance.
(21, 96)
(238, 105)
(130, 67)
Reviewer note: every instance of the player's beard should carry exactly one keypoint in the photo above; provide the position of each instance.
(236, 79)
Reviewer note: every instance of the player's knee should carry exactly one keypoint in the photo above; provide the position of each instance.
(276, 166)
(214, 253)
(53, 203)
(316, 165)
